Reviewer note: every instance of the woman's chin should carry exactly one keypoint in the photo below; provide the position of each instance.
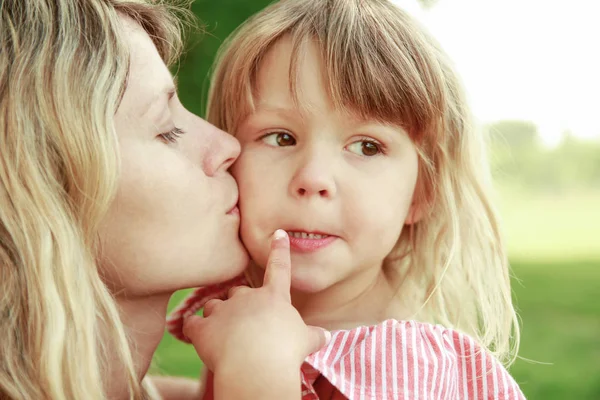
(227, 268)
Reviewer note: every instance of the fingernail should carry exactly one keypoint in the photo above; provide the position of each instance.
(327, 336)
(279, 234)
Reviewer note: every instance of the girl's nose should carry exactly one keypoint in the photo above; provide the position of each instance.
(314, 178)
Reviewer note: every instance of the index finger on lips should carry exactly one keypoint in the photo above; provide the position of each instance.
(278, 273)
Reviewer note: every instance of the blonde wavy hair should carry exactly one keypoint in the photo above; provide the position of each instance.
(451, 266)
(63, 70)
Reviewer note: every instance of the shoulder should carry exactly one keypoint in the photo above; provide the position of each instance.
(423, 360)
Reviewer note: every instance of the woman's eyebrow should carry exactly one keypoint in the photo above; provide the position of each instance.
(169, 89)
(172, 90)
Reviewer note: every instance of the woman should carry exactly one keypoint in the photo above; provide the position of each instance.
(112, 197)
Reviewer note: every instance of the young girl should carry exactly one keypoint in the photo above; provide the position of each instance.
(356, 139)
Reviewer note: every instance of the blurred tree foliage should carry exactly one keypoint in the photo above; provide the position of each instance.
(219, 19)
(519, 158)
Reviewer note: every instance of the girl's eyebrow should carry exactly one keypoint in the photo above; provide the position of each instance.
(276, 109)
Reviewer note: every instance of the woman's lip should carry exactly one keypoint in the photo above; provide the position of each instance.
(306, 245)
(234, 211)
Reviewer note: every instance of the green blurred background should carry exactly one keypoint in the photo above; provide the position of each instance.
(549, 200)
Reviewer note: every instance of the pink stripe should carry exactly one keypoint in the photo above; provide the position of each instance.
(404, 366)
(462, 363)
(425, 364)
(473, 368)
(394, 356)
(341, 350)
(504, 385)
(359, 364)
(441, 355)
(435, 382)
(415, 383)
(352, 363)
(374, 352)
(384, 358)
(349, 363)
(494, 373)
(452, 376)
(484, 375)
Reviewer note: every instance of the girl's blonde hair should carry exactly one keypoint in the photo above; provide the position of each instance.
(451, 265)
(63, 71)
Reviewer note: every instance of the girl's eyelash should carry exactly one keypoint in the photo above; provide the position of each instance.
(172, 135)
(377, 143)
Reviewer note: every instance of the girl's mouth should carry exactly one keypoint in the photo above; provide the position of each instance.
(307, 242)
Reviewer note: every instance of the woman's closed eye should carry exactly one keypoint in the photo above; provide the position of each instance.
(172, 135)
(366, 147)
(278, 139)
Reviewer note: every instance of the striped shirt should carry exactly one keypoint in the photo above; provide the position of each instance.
(391, 360)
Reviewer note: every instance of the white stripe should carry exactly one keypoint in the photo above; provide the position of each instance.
(415, 382)
(516, 389)
(423, 356)
(434, 382)
(363, 373)
(373, 361)
(451, 379)
(439, 341)
(504, 386)
(383, 362)
(473, 368)
(337, 357)
(494, 371)
(343, 375)
(404, 361)
(464, 365)
(352, 377)
(394, 362)
(326, 365)
(352, 382)
(484, 377)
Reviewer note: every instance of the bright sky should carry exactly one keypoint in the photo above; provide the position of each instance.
(537, 60)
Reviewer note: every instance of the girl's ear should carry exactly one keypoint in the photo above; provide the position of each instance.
(418, 205)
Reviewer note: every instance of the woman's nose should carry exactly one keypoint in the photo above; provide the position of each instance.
(222, 151)
(314, 177)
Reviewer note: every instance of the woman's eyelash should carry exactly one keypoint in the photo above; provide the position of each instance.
(172, 135)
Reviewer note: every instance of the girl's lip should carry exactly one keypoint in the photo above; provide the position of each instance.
(306, 245)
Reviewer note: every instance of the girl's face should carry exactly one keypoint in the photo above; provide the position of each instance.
(174, 222)
(317, 170)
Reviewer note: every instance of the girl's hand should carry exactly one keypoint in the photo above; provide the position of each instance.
(256, 341)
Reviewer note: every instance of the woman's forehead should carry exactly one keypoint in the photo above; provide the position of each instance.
(148, 78)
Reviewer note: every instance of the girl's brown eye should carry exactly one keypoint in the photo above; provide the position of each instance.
(369, 149)
(365, 148)
(279, 139)
(283, 139)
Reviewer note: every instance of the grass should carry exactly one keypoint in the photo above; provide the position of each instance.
(555, 248)
(551, 227)
(560, 313)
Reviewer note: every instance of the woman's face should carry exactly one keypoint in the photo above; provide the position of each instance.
(174, 222)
